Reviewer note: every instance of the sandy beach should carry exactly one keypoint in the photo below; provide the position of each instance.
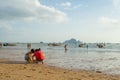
(10, 70)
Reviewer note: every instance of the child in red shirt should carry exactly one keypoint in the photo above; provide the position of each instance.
(38, 54)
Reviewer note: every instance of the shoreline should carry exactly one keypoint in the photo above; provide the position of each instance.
(14, 70)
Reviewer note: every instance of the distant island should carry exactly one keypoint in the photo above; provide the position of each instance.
(72, 41)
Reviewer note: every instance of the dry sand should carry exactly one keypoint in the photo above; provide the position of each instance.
(21, 71)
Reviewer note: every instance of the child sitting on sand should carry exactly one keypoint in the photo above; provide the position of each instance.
(28, 56)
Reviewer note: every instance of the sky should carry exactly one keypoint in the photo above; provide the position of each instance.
(59, 20)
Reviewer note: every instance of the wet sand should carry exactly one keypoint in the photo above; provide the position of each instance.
(12, 70)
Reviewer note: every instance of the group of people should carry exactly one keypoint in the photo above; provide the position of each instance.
(34, 56)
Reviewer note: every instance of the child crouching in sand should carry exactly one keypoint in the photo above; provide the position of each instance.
(38, 54)
(28, 56)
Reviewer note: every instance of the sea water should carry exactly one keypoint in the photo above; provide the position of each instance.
(105, 59)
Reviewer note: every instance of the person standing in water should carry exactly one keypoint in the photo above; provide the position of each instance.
(28, 46)
(0, 45)
(87, 46)
(66, 48)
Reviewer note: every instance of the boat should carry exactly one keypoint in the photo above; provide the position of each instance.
(9, 44)
(101, 45)
(82, 45)
(54, 44)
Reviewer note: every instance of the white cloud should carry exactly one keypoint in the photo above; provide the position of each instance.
(116, 3)
(6, 26)
(29, 10)
(69, 5)
(106, 20)
(77, 6)
(66, 4)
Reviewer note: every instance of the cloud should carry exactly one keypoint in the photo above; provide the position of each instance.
(77, 6)
(116, 3)
(69, 5)
(30, 10)
(66, 4)
(106, 20)
(6, 26)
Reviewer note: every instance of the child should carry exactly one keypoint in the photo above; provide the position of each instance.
(38, 54)
(28, 56)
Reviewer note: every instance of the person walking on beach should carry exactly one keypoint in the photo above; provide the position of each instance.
(28, 56)
(38, 54)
